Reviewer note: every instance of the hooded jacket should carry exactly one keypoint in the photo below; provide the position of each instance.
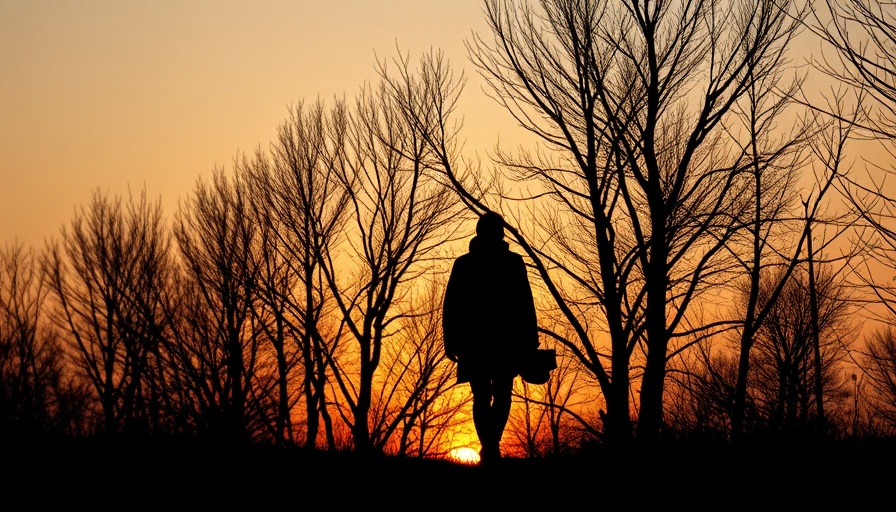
(488, 318)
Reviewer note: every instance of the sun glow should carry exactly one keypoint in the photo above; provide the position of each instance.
(464, 455)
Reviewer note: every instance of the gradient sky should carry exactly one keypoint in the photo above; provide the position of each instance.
(153, 94)
(119, 94)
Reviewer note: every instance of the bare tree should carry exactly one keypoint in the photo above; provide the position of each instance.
(860, 53)
(629, 100)
(773, 234)
(399, 216)
(782, 384)
(778, 235)
(303, 209)
(548, 421)
(701, 399)
(415, 408)
(861, 35)
(784, 371)
(879, 365)
(105, 277)
(38, 393)
(274, 287)
(217, 340)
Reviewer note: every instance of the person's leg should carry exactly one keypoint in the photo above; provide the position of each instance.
(482, 413)
(502, 390)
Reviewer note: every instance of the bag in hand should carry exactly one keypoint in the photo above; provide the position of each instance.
(537, 365)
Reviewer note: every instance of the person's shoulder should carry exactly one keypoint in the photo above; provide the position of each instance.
(463, 258)
(515, 256)
(461, 262)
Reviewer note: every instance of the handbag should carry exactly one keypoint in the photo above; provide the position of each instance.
(536, 366)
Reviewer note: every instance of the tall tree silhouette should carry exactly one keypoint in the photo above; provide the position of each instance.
(630, 100)
(106, 274)
(303, 208)
(218, 340)
(860, 53)
(772, 236)
(399, 215)
(779, 235)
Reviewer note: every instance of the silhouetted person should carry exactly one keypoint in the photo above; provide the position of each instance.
(488, 324)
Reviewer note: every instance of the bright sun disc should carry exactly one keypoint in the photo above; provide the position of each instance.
(464, 455)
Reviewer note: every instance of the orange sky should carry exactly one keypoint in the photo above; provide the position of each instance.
(154, 93)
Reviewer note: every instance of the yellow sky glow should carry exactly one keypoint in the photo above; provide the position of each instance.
(134, 93)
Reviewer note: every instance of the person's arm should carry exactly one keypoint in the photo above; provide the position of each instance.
(449, 313)
(528, 316)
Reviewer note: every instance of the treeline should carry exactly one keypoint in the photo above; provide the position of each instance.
(702, 237)
(293, 300)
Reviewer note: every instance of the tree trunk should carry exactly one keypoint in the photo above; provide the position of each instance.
(651, 416)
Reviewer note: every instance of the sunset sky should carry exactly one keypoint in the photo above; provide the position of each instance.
(153, 94)
(127, 96)
(112, 94)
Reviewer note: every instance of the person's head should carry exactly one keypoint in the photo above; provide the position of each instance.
(490, 226)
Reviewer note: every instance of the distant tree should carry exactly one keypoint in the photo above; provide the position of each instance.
(303, 208)
(781, 388)
(400, 215)
(38, 393)
(700, 402)
(783, 369)
(879, 365)
(216, 342)
(547, 420)
(415, 408)
(105, 275)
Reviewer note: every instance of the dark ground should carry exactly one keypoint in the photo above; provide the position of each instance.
(182, 476)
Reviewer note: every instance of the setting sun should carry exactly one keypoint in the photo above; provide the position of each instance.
(464, 455)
